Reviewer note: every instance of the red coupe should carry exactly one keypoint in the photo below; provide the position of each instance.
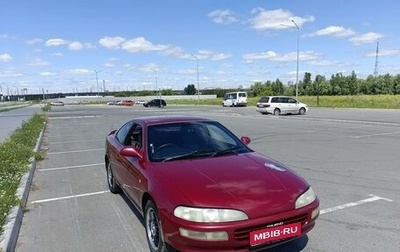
(201, 188)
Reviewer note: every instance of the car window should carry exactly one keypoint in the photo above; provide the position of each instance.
(284, 100)
(276, 99)
(136, 137)
(176, 139)
(291, 100)
(264, 99)
(219, 136)
(123, 132)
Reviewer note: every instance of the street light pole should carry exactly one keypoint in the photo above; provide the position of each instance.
(155, 77)
(297, 67)
(158, 93)
(198, 83)
(97, 81)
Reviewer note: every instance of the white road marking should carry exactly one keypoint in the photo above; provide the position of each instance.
(68, 167)
(77, 141)
(353, 204)
(378, 134)
(69, 197)
(75, 117)
(65, 152)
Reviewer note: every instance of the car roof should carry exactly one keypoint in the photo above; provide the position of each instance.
(161, 119)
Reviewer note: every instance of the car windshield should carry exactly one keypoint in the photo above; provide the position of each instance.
(187, 140)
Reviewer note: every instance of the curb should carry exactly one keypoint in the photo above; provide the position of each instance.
(8, 240)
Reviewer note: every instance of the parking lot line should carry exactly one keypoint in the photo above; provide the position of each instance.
(378, 134)
(65, 152)
(69, 167)
(353, 204)
(75, 117)
(68, 197)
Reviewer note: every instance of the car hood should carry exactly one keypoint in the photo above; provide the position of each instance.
(250, 182)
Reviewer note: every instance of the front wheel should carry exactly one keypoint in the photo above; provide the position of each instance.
(154, 234)
(302, 111)
(112, 184)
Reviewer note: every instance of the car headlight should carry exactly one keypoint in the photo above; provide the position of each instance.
(209, 214)
(306, 198)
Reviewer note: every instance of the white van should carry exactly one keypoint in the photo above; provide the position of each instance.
(235, 99)
(280, 105)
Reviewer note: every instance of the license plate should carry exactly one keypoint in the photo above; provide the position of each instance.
(275, 233)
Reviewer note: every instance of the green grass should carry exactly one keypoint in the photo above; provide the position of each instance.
(15, 154)
(358, 101)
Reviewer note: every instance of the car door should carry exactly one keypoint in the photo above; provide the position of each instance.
(134, 181)
(293, 106)
(115, 157)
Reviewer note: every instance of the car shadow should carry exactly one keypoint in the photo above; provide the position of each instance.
(292, 246)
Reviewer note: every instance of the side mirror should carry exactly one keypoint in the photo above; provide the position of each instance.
(245, 139)
(130, 151)
(112, 132)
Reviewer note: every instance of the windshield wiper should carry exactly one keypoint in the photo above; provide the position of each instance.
(231, 150)
(197, 153)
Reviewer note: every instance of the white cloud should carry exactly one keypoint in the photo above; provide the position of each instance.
(9, 73)
(324, 63)
(47, 74)
(276, 19)
(75, 46)
(5, 57)
(335, 31)
(38, 62)
(89, 46)
(175, 51)
(111, 42)
(79, 71)
(141, 45)
(370, 37)
(109, 64)
(222, 16)
(56, 42)
(273, 56)
(384, 52)
(34, 41)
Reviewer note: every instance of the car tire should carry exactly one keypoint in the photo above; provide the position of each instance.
(302, 111)
(154, 233)
(277, 111)
(112, 184)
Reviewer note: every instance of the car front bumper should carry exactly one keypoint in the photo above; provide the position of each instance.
(238, 232)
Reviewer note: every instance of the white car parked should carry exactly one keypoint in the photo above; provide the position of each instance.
(278, 105)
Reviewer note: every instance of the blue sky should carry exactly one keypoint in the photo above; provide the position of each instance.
(58, 46)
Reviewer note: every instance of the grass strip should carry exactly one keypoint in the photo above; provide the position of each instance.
(15, 154)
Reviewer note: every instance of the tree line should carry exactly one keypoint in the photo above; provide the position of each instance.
(338, 84)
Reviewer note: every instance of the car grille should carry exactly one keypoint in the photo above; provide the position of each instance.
(244, 233)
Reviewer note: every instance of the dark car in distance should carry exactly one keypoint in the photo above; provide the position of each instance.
(155, 103)
(201, 188)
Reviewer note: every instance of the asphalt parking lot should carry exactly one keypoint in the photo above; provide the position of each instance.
(350, 157)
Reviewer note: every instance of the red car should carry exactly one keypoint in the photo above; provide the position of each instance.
(200, 188)
(126, 103)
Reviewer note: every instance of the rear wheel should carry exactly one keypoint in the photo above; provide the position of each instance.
(302, 111)
(277, 111)
(154, 234)
(112, 185)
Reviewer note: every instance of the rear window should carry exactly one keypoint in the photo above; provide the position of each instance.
(264, 99)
